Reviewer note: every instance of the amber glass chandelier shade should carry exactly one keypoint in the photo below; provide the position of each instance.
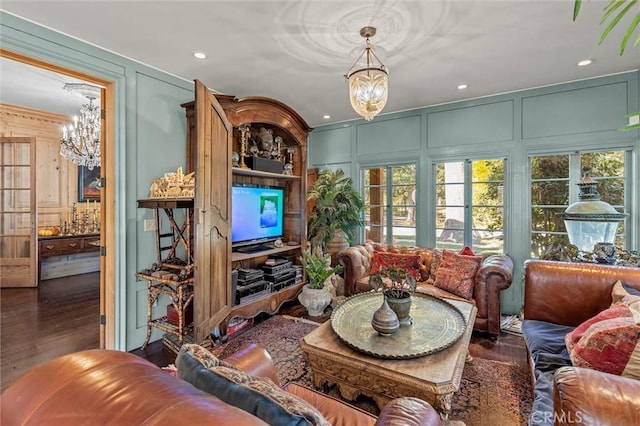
(368, 81)
(368, 91)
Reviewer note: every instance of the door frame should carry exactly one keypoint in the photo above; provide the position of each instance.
(107, 196)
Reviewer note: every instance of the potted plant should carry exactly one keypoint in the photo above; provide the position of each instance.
(336, 214)
(314, 296)
(396, 285)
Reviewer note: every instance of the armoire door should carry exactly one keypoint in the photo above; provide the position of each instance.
(212, 215)
(18, 235)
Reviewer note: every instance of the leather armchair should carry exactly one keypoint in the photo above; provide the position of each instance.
(494, 275)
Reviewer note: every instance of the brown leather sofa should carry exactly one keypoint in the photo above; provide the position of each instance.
(558, 297)
(494, 275)
(101, 387)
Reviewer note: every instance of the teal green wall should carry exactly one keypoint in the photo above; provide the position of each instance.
(150, 140)
(580, 115)
(151, 127)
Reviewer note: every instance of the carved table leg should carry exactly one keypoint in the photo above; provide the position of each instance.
(443, 405)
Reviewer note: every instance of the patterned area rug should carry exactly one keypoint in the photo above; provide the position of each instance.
(491, 392)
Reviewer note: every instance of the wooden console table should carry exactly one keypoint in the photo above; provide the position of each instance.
(66, 245)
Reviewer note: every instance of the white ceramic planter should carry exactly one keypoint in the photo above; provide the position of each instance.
(315, 300)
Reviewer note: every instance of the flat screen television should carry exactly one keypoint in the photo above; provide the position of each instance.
(257, 215)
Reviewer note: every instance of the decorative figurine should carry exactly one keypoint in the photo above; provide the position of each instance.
(266, 141)
(244, 131)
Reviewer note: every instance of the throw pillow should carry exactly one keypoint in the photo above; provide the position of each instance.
(409, 262)
(621, 290)
(466, 251)
(456, 273)
(608, 342)
(257, 396)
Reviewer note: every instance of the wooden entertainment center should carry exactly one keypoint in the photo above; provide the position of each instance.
(213, 134)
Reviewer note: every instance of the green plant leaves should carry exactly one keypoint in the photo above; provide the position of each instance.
(622, 7)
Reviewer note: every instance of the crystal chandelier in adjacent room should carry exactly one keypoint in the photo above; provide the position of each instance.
(80, 142)
(368, 81)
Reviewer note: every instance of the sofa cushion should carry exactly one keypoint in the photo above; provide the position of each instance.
(409, 262)
(259, 397)
(546, 345)
(456, 273)
(624, 292)
(608, 342)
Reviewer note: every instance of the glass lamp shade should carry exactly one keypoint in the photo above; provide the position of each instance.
(368, 91)
(591, 222)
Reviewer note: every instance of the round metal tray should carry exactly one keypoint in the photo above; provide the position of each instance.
(437, 324)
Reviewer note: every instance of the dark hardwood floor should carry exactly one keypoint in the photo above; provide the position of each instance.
(61, 317)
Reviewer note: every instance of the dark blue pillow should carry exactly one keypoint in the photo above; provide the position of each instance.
(259, 397)
(631, 290)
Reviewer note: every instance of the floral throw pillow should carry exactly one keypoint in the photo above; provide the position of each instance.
(409, 262)
(456, 273)
(608, 342)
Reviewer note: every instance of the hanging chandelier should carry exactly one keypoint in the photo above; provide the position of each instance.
(368, 81)
(80, 142)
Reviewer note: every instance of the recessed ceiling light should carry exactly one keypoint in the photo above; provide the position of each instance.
(326, 116)
(199, 55)
(585, 62)
(462, 86)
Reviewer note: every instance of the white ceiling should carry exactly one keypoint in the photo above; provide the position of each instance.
(298, 51)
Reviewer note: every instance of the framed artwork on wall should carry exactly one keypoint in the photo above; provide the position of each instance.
(88, 184)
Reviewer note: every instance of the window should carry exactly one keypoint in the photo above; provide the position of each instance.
(390, 197)
(470, 205)
(553, 180)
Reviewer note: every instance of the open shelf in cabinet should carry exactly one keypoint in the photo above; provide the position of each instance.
(258, 173)
(237, 257)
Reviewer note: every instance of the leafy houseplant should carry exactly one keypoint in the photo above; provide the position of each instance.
(397, 285)
(395, 282)
(616, 10)
(338, 206)
(314, 296)
(317, 268)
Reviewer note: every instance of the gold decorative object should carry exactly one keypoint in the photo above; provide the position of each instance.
(437, 324)
(244, 131)
(173, 185)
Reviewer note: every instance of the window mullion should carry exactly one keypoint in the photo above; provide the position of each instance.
(468, 203)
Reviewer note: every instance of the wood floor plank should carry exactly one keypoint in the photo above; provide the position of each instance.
(37, 325)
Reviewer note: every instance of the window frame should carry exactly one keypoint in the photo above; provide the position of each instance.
(468, 195)
(388, 187)
(574, 177)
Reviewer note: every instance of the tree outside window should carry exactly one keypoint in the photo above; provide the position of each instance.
(470, 204)
(390, 197)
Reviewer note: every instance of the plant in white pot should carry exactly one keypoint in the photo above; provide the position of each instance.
(314, 296)
(336, 214)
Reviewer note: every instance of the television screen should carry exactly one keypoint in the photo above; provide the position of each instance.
(257, 214)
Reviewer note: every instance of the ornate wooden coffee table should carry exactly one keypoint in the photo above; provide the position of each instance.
(433, 378)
